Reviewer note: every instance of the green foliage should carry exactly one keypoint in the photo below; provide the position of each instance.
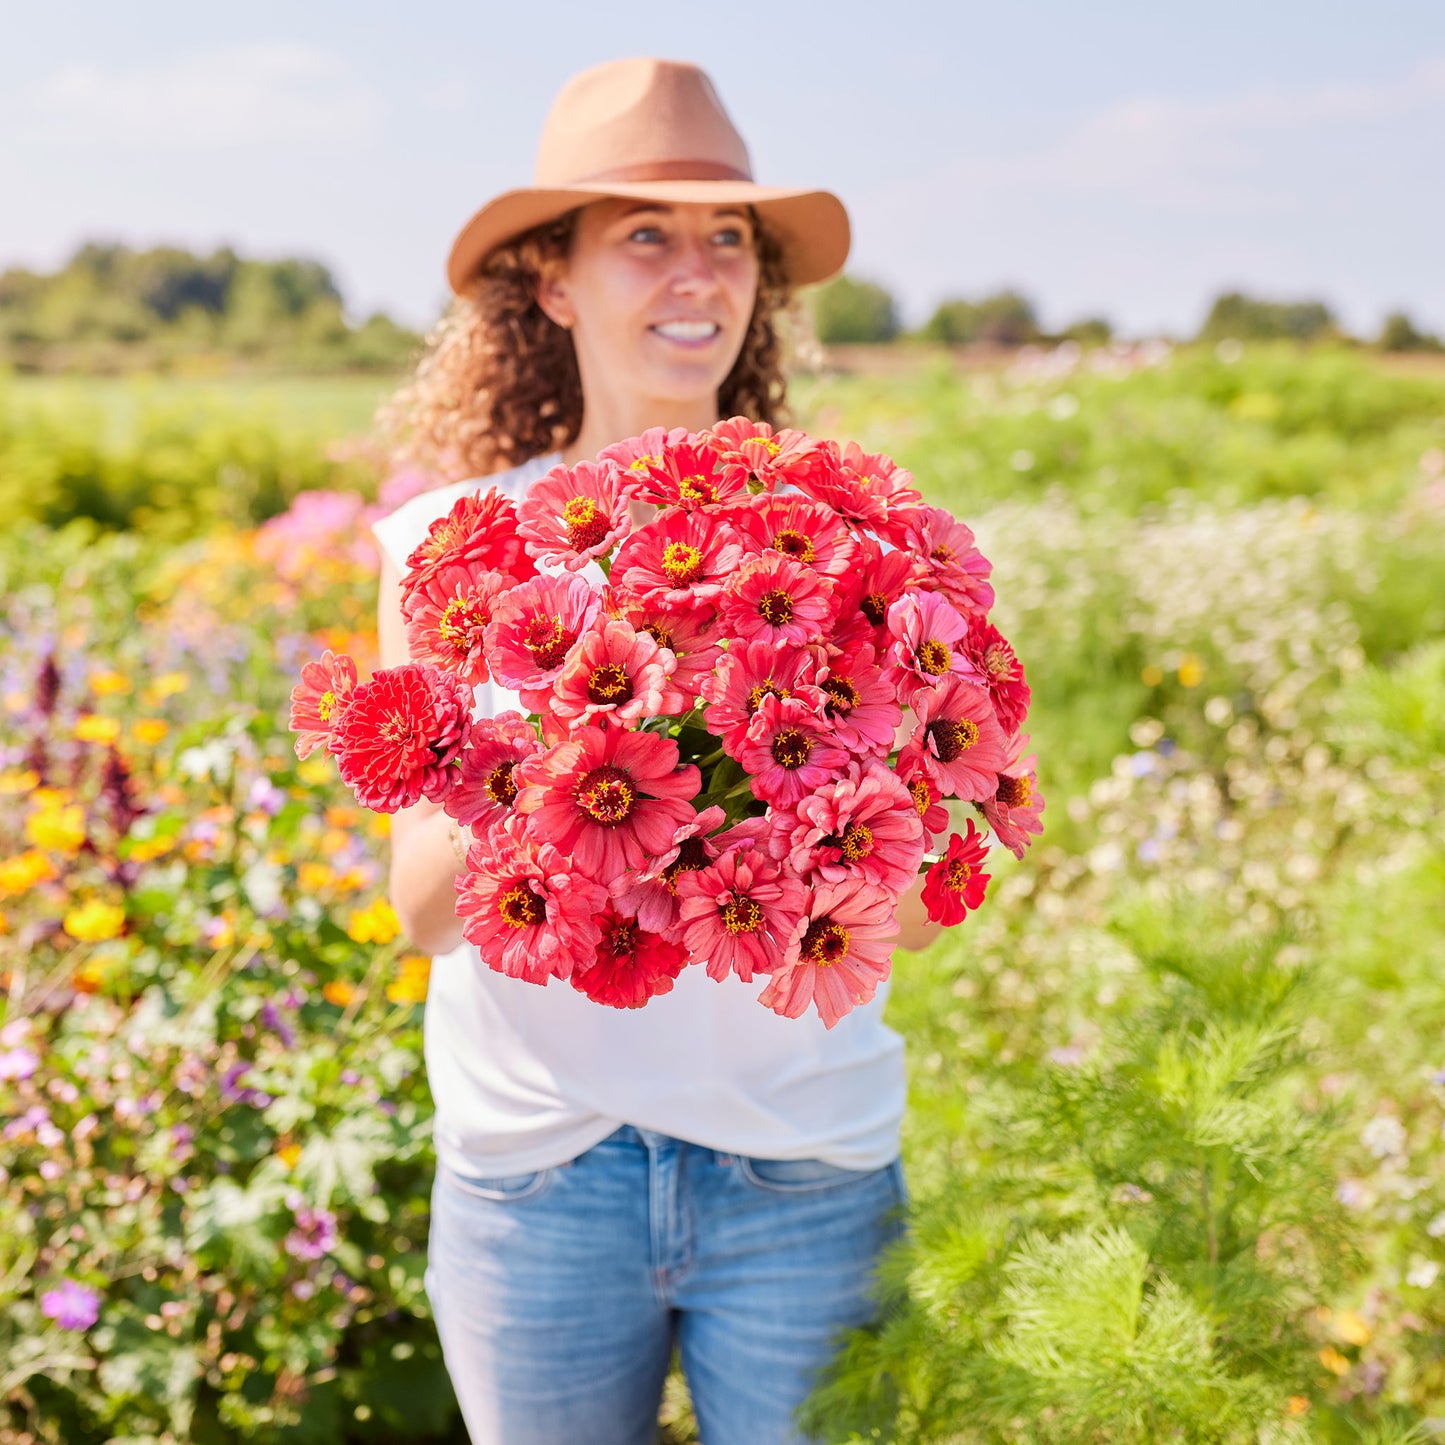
(1246, 318)
(1005, 318)
(1399, 333)
(849, 310)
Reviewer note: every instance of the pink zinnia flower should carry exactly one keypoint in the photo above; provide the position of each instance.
(777, 601)
(956, 567)
(798, 527)
(688, 633)
(317, 700)
(927, 799)
(635, 455)
(607, 798)
(956, 884)
(480, 532)
(756, 457)
(839, 488)
(574, 514)
(397, 736)
(687, 477)
(73, 1306)
(925, 631)
(631, 965)
(740, 913)
(529, 913)
(746, 674)
(874, 585)
(1013, 810)
(843, 953)
(533, 631)
(880, 478)
(790, 751)
(651, 892)
(446, 613)
(860, 702)
(862, 825)
(677, 560)
(958, 743)
(998, 665)
(483, 794)
(618, 674)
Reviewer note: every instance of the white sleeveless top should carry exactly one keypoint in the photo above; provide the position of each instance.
(526, 1077)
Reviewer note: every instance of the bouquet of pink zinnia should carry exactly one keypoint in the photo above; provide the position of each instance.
(742, 716)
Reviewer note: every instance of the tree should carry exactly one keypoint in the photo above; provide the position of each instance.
(849, 310)
(1399, 333)
(1246, 318)
(1005, 318)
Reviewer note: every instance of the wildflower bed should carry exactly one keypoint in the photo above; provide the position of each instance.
(1177, 1097)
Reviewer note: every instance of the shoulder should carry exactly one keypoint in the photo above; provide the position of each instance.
(400, 532)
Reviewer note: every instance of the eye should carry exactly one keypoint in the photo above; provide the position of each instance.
(646, 234)
(731, 236)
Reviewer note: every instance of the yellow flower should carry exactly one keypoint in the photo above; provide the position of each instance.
(168, 684)
(313, 877)
(288, 1154)
(61, 830)
(339, 992)
(147, 848)
(379, 825)
(316, 772)
(1191, 671)
(149, 730)
(19, 780)
(22, 872)
(92, 729)
(333, 840)
(376, 923)
(1334, 1361)
(223, 935)
(94, 921)
(1351, 1328)
(87, 979)
(351, 880)
(411, 984)
(108, 684)
(1151, 676)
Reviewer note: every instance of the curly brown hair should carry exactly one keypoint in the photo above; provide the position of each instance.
(497, 381)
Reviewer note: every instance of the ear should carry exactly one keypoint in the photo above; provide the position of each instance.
(553, 298)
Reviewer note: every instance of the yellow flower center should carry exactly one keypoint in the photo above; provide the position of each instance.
(825, 943)
(795, 544)
(586, 525)
(776, 607)
(791, 748)
(934, 657)
(609, 684)
(1014, 792)
(741, 915)
(857, 842)
(681, 562)
(607, 796)
(519, 907)
(326, 705)
(768, 688)
(952, 737)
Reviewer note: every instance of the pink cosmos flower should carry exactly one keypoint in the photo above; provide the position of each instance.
(874, 585)
(756, 457)
(398, 734)
(860, 702)
(843, 952)
(956, 567)
(861, 825)
(483, 794)
(677, 560)
(687, 477)
(1013, 810)
(72, 1305)
(529, 913)
(955, 884)
(740, 913)
(574, 514)
(650, 892)
(631, 965)
(798, 527)
(635, 455)
(317, 700)
(533, 631)
(446, 613)
(925, 632)
(957, 744)
(480, 532)
(746, 674)
(775, 600)
(998, 665)
(618, 674)
(790, 751)
(607, 798)
(688, 633)
(927, 799)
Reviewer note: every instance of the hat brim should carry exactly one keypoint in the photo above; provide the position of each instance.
(810, 226)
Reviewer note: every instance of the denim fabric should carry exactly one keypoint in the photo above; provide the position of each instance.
(559, 1295)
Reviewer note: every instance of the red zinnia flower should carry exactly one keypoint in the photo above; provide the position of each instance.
(607, 798)
(927, 799)
(483, 794)
(398, 734)
(325, 688)
(574, 514)
(777, 601)
(879, 477)
(688, 633)
(812, 535)
(687, 477)
(874, 585)
(528, 913)
(677, 560)
(790, 751)
(925, 629)
(739, 913)
(631, 965)
(746, 674)
(533, 631)
(955, 884)
(828, 481)
(755, 457)
(860, 702)
(998, 665)
(956, 567)
(446, 612)
(958, 743)
(1013, 810)
(842, 953)
(618, 674)
(480, 532)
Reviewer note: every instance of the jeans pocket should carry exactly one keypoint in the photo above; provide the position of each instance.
(800, 1176)
(508, 1189)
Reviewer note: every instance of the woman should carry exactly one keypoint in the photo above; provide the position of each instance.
(700, 1172)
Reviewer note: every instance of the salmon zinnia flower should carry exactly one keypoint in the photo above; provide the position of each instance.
(688, 633)
(679, 560)
(740, 913)
(997, 664)
(957, 743)
(746, 674)
(533, 631)
(574, 514)
(859, 701)
(484, 793)
(790, 751)
(631, 965)
(926, 632)
(955, 884)
(1013, 810)
(756, 457)
(651, 892)
(618, 674)
(875, 584)
(636, 454)
(687, 477)
(608, 799)
(325, 688)
(956, 567)
(479, 532)
(811, 535)
(446, 613)
(777, 601)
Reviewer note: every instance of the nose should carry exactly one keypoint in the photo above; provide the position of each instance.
(696, 271)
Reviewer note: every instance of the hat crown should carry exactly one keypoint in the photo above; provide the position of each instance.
(637, 120)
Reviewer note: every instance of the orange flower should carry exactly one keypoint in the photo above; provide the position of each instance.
(313, 877)
(149, 730)
(410, 985)
(1334, 1361)
(1297, 1405)
(288, 1154)
(22, 872)
(109, 684)
(339, 992)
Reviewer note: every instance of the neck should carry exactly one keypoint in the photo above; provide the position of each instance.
(603, 425)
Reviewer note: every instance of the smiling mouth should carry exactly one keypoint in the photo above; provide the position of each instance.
(689, 333)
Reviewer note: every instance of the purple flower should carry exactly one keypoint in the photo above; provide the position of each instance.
(72, 1306)
(233, 1093)
(315, 1232)
(18, 1064)
(266, 796)
(271, 1018)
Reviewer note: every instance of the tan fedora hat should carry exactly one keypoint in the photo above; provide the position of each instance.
(655, 130)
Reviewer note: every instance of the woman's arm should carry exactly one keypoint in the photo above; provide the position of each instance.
(915, 929)
(423, 860)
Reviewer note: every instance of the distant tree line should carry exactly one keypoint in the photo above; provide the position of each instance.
(112, 308)
(850, 309)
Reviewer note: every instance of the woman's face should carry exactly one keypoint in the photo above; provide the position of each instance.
(657, 297)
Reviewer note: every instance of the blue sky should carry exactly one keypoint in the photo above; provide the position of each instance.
(1120, 158)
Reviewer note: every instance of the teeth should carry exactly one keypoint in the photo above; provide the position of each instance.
(687, 330)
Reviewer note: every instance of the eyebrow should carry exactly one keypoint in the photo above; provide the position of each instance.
(666, 210)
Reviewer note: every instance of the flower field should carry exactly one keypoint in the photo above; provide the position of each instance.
(1177, 1095)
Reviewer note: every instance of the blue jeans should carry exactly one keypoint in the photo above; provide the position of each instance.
(559, 1295)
